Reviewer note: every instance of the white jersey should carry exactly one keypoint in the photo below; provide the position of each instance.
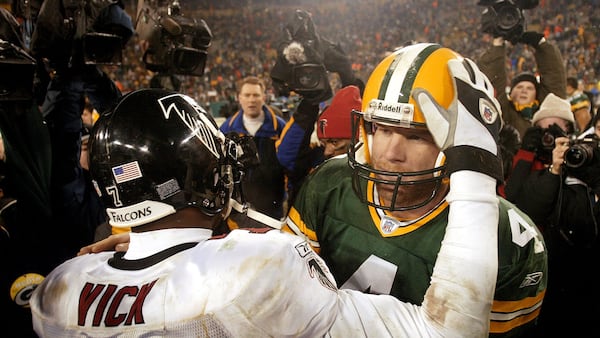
(255, 283)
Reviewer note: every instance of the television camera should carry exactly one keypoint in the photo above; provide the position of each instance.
(304, 59)
(505, 18)
(176, 44)
(72, 33)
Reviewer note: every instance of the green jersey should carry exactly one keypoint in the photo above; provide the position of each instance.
(370, 250)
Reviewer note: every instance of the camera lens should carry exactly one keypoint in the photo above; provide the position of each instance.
(189, 61)
(308, 76)
(577, 155)
(186, 59)
(308, 79)
(509, 17)
(548, 140)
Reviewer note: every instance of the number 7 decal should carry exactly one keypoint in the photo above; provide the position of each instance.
(114, 192)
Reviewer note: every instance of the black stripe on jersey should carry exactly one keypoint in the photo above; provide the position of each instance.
(118, 262)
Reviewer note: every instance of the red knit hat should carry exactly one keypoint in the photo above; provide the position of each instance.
(335, 120)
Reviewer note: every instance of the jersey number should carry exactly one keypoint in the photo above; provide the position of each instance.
(362, 279)
(521, 238)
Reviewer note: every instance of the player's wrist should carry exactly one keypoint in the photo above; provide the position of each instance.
(474, 159)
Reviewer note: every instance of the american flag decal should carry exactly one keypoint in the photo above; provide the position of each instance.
(127, 172)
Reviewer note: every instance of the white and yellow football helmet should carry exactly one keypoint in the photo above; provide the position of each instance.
(387, 100)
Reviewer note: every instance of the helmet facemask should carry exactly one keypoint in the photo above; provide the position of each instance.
(428, 182)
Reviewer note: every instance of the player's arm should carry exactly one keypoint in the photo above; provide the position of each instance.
(464, 276)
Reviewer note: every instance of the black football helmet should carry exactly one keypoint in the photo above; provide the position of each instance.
(156, 152)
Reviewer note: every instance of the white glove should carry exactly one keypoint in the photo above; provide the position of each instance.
(468, 130)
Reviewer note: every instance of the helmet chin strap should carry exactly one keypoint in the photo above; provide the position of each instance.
(255, 215)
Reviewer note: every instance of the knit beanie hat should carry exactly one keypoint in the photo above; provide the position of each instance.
(335, 120)
(554, 106)
(580, 100)
(525, 76)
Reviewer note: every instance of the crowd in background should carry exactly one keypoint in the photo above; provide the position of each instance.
(245, 35)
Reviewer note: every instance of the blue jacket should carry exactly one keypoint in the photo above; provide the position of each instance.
(264, 185)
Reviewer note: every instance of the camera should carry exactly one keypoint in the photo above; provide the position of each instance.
(176, 44)
(309, 76)
(505, 18)
(581, 151)
(301, 58)
(550, 134)
(17, 69)
(72, 32)
(546, 143)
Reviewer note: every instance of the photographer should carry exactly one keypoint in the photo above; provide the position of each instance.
(28, 240)
(562, 199)
(526, 92)
(302, 51)
(72, 38)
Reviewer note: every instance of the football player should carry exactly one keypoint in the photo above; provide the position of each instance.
(165, 170)
(378, 221)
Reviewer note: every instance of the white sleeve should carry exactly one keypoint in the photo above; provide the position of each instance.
(459, 298)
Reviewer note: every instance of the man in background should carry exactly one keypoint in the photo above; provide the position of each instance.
(527, 89)
(559, 189)
(264, 184)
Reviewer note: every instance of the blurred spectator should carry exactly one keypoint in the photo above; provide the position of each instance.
(581, 106)
(522, 101)
(264, 184)
(594, 128)
(334, 127)
(562, 199)
(366, 30)
(299, 152)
